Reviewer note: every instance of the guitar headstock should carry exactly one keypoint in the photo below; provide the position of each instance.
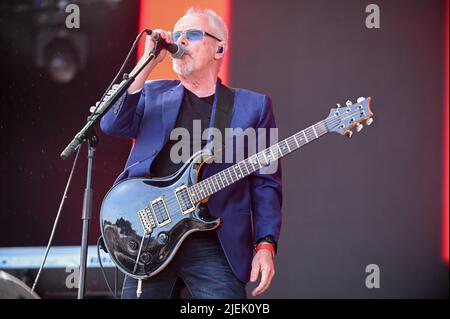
(342, 119)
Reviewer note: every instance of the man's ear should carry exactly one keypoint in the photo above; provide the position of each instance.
(221, 48)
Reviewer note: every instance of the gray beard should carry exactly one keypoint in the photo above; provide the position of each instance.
(183, 70)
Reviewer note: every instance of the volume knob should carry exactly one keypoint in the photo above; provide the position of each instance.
(359, 127)
(163, 238)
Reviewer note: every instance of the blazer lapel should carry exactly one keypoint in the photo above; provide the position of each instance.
(170, 107)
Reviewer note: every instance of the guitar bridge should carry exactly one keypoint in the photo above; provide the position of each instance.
(160, 211)
(184, 199)
(146, 218)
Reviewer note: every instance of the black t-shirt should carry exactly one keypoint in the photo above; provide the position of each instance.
(192, 108)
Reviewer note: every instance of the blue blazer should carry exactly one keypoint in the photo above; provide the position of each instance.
(250, 208)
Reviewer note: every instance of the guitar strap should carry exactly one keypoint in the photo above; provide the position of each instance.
(223, 110)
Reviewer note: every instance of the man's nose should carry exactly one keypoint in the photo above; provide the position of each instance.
(183, 40)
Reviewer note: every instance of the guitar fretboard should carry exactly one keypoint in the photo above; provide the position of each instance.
(232, 174)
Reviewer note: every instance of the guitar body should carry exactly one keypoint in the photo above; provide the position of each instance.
(144, 221)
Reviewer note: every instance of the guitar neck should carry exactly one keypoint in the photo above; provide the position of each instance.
(238, 171)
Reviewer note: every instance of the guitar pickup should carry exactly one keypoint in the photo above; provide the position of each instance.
(160, 211)
(184, 199)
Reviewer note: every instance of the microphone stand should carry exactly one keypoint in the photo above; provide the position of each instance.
(86, 134)
(92, 141)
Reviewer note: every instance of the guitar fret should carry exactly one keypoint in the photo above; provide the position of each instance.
(253, 165)
(295, 139)
(278, 153)
(302, 140)
(292, 144)
(226, 182)
(267, 156)
(233, 170)
(194, 190)
(314, 129)
(310, 133)
(191, 194)
(284, 149)
(239, 169)
(287, 144)
(201, 190)
(259, 160)
(220, 179)
(305, 136)
(198, 192)
(243, 163)
(197, 197)
(236, 173)
(206, 186)
(259, 163)
(246, 165)
(217, 182)
(229, 173)
(278, 144)
(211, 185)
(226, 179)
(214, 183)
(271, 152)
(263, 153)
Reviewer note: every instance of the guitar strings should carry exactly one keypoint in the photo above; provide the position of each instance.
(290, 141)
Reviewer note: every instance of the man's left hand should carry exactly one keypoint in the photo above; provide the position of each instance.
(262, 262)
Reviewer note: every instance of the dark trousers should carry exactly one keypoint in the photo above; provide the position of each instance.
(200, 265)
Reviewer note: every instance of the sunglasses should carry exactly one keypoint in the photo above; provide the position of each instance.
(192, 35)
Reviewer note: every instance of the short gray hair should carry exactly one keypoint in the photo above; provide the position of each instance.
(215, 21)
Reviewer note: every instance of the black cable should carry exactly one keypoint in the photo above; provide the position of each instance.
(116, 274)
(133, 47)
(103, 270)
(58, 215)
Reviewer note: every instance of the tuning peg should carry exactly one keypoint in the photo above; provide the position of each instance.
(348, 103)
(349, 133)
(369, 121)
(338, 105)
(359, 127)
(360, 99)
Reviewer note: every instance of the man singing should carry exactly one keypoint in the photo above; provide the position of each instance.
(218, 263)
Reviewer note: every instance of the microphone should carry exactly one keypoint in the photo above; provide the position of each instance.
(176, 50)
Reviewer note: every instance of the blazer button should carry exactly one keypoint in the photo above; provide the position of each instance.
(155, 151)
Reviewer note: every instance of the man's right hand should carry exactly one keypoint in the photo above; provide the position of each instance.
(139, 82)
(150, 44)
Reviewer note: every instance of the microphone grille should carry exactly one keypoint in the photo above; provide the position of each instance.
(179, 53)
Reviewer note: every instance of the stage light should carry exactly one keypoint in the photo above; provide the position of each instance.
(61, 61)
(62, 54)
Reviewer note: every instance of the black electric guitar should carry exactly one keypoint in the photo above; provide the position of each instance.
(144, 221)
